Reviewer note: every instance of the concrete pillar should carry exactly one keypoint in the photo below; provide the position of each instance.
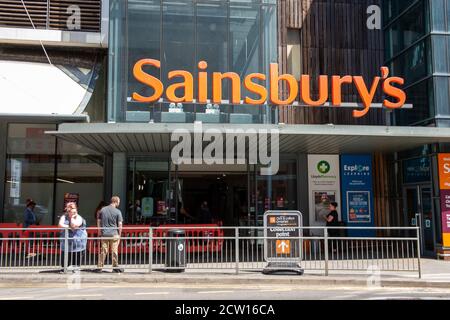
(119, 180)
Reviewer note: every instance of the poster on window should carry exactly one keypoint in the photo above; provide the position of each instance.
(16, 178)
(71, 197)
(358, 206)
(147, 207)
(324, 186)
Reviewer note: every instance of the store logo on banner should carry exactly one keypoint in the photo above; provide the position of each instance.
(444, 183)
(444, 171)
(356, 170)
(330, 87)
(323, 167)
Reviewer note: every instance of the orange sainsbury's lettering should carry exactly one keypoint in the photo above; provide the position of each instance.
(265, 88)
(147, 79)
(394, 92)
(336, 88)
(255, 88)
(306, 91)
(235, 86)
(188, 86)
(274, 82)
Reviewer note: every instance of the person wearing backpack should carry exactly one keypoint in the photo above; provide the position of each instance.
(77, 238)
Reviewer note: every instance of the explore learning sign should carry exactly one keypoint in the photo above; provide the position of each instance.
(357, 193)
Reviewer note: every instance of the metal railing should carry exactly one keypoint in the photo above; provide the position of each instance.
(227, 249)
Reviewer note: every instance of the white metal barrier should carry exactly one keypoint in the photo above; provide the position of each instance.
(203, 249)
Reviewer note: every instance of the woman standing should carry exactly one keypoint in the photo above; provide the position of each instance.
(77, 237)
(333, 221)
(100, 206)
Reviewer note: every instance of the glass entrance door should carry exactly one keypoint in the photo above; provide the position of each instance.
(149, 191)
(419, 211)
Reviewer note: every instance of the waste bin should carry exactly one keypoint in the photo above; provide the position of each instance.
(175, 251)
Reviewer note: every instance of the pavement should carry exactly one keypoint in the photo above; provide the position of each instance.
(207, 292)
(435, 274)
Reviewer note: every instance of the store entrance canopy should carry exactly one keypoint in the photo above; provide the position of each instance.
(311, 139)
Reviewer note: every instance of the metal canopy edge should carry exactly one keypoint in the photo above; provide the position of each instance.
(328, 139)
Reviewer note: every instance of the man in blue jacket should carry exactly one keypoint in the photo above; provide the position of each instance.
(29, 216)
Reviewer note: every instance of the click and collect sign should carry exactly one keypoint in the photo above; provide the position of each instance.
(357, 192)
(444, 183)
(282, 227)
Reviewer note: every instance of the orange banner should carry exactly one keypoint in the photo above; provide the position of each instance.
(444, 183)
(444, 171)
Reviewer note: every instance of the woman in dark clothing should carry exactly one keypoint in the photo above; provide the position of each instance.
(100, 206)
(333, 221)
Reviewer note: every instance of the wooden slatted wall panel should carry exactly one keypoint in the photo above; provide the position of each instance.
(335, 41)
(381, 191)
(12, 13)
(50, 14)
(90, 14)
(293, 13)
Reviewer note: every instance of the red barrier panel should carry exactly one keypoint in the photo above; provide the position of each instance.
(10, 225)
(129, 243)
(45, 240)
(134, 239)
(13, 245)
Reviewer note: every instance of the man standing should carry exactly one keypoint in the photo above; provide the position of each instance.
(109, 223)
(29, 215)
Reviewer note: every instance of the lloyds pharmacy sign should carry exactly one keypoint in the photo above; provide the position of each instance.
(182, 91)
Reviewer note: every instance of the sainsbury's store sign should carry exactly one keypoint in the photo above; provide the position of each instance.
(256, 83)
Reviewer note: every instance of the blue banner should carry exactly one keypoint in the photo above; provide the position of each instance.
(357, 193)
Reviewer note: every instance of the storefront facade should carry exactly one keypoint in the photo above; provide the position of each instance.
(416, 35)
(127, 150)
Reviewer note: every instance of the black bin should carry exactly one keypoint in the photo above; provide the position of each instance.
(176, 251)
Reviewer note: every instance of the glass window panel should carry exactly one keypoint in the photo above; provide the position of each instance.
(278, 192)
(440, 54)
(80, 172)
(235, 36)
(144, 41)
(438, 15)
(442, 94)
(405, 31)
(421, 96)
(212, 38)
(392, 8)
(412, 65)
(245, 40)
(30, 172)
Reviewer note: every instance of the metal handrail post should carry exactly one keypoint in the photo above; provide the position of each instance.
(237, 249)
(418, 252)
(150, 243)
(325, 233)
(66, 249)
